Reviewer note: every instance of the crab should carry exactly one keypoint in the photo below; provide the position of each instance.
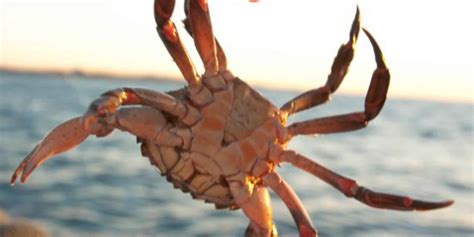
(218, 138)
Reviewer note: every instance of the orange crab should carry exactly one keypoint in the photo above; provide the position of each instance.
(218, 138)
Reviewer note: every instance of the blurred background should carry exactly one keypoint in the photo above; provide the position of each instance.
(57, 56)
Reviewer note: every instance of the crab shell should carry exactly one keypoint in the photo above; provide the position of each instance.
(249, 110)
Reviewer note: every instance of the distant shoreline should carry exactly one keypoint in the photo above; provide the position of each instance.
(65, 74)
(81, 73)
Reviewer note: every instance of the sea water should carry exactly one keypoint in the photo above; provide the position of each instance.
(105, 188)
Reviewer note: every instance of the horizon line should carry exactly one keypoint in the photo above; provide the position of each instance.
(114, 75)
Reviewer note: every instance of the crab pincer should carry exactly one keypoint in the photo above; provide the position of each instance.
(65, 137)
(61, 139)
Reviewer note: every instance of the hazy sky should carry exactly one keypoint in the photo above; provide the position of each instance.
(275, 43)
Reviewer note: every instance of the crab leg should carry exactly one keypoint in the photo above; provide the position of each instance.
(144, 122)
(109, 102)
(339, 69)
(374, 102)
(201, 28)
(169, 35)
(221, 58)
(291, 200)
(350, 188)
(256, 206)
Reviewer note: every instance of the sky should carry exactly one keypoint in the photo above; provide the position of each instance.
(284, 44)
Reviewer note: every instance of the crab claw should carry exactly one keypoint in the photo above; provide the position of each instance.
(61, 139)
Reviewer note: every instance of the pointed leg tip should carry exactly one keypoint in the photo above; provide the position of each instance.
(354, 34)
(18, 171)
(447, 203)
(367, 33)
(13, 181)
(442, 205)
(14, 178)
(427, 206)
(379, 58)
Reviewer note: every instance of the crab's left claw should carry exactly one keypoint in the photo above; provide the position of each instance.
(61, 139)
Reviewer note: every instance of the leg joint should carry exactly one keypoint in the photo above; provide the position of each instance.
(163, 10)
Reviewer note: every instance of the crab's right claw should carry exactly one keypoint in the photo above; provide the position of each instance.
(61, 139)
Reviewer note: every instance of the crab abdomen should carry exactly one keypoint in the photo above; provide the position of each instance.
(184, 174)
(197, 173)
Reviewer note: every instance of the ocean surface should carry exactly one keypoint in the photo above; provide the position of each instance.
(105, 188)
